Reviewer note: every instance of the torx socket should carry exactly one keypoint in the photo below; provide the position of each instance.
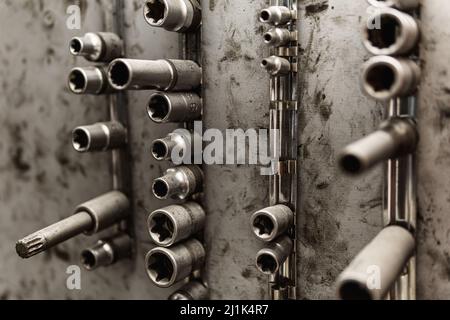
(97, 47)
(391, 32)
(270, 259)
(175, 223)
(164, 107)
(89, 80)
(99, 137)
(167, 266)
(173, 15)
(165, 75)
(276, 15)
(179, 183)
(178, 147)
(278, 37)
(89, 218)
(399, 4)
(194, 291)
(276, 66)
(396, 137)
(375, 269)
(384, 77)
(107, 252)
(270, 223)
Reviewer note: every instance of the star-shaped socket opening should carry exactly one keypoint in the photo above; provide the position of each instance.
(155, 11)
(263, 226)
(162, 228)
(160, 268)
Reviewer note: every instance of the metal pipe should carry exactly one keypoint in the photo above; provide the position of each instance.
(107, 252)
(178, 147)
(99, 137)
(166, 266)
(166, 75)
(376, 268)
(165, 107)
(173, 15)
(88, 80)
(97, 47)
(278, 37)
(396, 137)
(276, 66)
(179, 183)
(276, 15)
(89, 218)
(391, 32)
(270, 259)
(194, 290)
(270, 223)
(399, 4)
(175, 223)
(384, 77)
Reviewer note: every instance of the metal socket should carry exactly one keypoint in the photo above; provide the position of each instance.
(97, 47)
(173, 15)
(165, 75)
(194, 291)
(89, 218)
(391, 32)
(167, 266)
(99, 137)
(89, 80)
(179, 183)
(179, 147)
(175, 223)
(276, 66)
(396, 137)
(276, 15)
(164, 107)
(399, 4)
(375, 269)
(107, 252)
(384, 78)
(278, 37)
(270, 223)
(270, 259)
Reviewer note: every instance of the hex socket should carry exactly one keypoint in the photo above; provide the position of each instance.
(278, 37)
(89, 80)
(175, 223)
(270, 223)
(384, 78)
(99, 137)
(97, 47)
(396, 137)
(179, 183)
(173, 15)
(89, 218)
(270, 259)
(164, 107)
(399, 4)
(167, 266)
(276, 15)
(165, 75)
(397, 33)
(178, 146)
(107, 251)
(276, 66)
(194, 291)
(376, 268)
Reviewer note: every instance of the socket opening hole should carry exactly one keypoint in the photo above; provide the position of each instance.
(88, 260)
(381, 78)
(119, 74)
(77, 81)
(267, 37)
(267, 263)
(263, 226)
(159, 150)
(160, 268)
(158, 108)
(265, 15)
(75, 46)
(351, 164)
(353, 290)
(155, 11)
(385, 32)
(161, 228)
(160, 189)
(80, 140)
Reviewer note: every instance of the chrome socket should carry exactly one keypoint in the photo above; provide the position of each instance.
(89, 80)
(397, 33)
(173, 15)
(179, 147)
(270, 259)
(164, 107)
(167, 266)
(406, 5)
(276, 66)
(276, 15)
(278, 37)
(165, 75)
(270, 223)
(396, 137)
(385, 78)
(194, 291)
(97, 47)
(99, 137)
(375, 269)
(179, 183)
(107, 252)
(175, 223)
